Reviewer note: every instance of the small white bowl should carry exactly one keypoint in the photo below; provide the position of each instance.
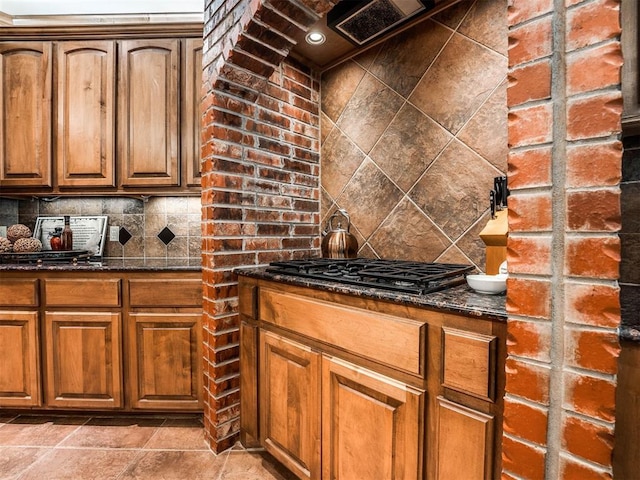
(489, 284)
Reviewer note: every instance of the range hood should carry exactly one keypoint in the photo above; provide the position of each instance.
(361, 21)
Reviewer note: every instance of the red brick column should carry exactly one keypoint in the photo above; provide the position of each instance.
(565, 109)
(260, 172)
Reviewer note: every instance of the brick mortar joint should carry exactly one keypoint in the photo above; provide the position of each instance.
(526, 401)
(540, 448)
(532, 104)
(226, 393)
(591, 465)
(528, 21)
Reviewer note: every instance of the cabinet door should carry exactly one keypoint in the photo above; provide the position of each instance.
(165, 361)
(148, 112)
(192, 86)
(290, 404)
(85, 125)
(25, 116)
(20, 375)
(372, 426)
(83, 355)
(465, 445)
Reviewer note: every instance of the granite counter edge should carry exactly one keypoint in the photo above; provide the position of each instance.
(96, 268)
(460, 299)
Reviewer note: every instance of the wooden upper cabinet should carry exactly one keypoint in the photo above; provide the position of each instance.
(148, 112)
(25, 117)
(86, 106)
(192, 85)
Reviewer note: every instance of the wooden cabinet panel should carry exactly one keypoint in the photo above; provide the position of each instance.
(25, 116)
(80, 292)
(165, 361)
(192, 86)
(371, 425)
(465, 445)
(344, 327)
(290, 404)
(19, 293)
(83, 358)
(20, 375)
(165, 293)
(249, 422)
(148, 112)
(468, 362)
(86, 105)
(627, 445)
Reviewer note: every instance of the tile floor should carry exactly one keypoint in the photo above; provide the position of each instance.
(38, 447)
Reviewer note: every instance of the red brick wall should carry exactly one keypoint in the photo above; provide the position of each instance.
(260, 201)
(260, 165)
(563, 299)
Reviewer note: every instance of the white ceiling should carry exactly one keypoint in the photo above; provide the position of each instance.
(104, 7)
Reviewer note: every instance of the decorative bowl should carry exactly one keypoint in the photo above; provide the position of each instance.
(489, 284)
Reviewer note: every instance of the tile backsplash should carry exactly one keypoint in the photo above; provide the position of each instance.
(413, 132)
(158, 231)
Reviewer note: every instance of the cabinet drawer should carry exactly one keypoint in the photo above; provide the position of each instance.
(19, 293)
(165, 293)
(81, 292)
(355, 330)
(468, 362)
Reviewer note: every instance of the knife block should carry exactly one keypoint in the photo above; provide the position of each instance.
(494, 235)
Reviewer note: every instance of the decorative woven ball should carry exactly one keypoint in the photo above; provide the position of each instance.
(14, 232)
(26, 245)
(5, 245)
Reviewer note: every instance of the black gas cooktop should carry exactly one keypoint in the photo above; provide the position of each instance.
(395, 275)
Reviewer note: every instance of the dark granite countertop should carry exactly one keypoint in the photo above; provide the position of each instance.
(630, 333)
(460, 299)
(106, 266)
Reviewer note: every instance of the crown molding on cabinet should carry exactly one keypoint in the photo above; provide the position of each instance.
(102, 31)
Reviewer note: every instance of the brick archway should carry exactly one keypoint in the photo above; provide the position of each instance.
(260, 172)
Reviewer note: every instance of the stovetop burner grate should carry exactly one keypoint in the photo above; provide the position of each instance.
(395, 275)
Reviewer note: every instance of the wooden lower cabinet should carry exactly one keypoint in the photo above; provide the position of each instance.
(290, 404)
(398, 392)
(165, 362)
(105, 341)
(83, 355)
(465, 442)
(20, 376)
(372, 425)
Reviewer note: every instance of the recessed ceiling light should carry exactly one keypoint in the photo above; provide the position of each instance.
(315, 38)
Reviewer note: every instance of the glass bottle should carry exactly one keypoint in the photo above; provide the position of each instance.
(55, 241)
(67, 234)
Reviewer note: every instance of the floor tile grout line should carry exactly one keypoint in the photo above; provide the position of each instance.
(128, 466)
(74, 431)
(224, 465)
(38, 460)
(134, 456)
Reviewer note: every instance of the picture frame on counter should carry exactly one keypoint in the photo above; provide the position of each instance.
(89, 232)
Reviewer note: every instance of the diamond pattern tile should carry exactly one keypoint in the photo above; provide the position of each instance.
(166, 235)
(124, 236)
(413, 132)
